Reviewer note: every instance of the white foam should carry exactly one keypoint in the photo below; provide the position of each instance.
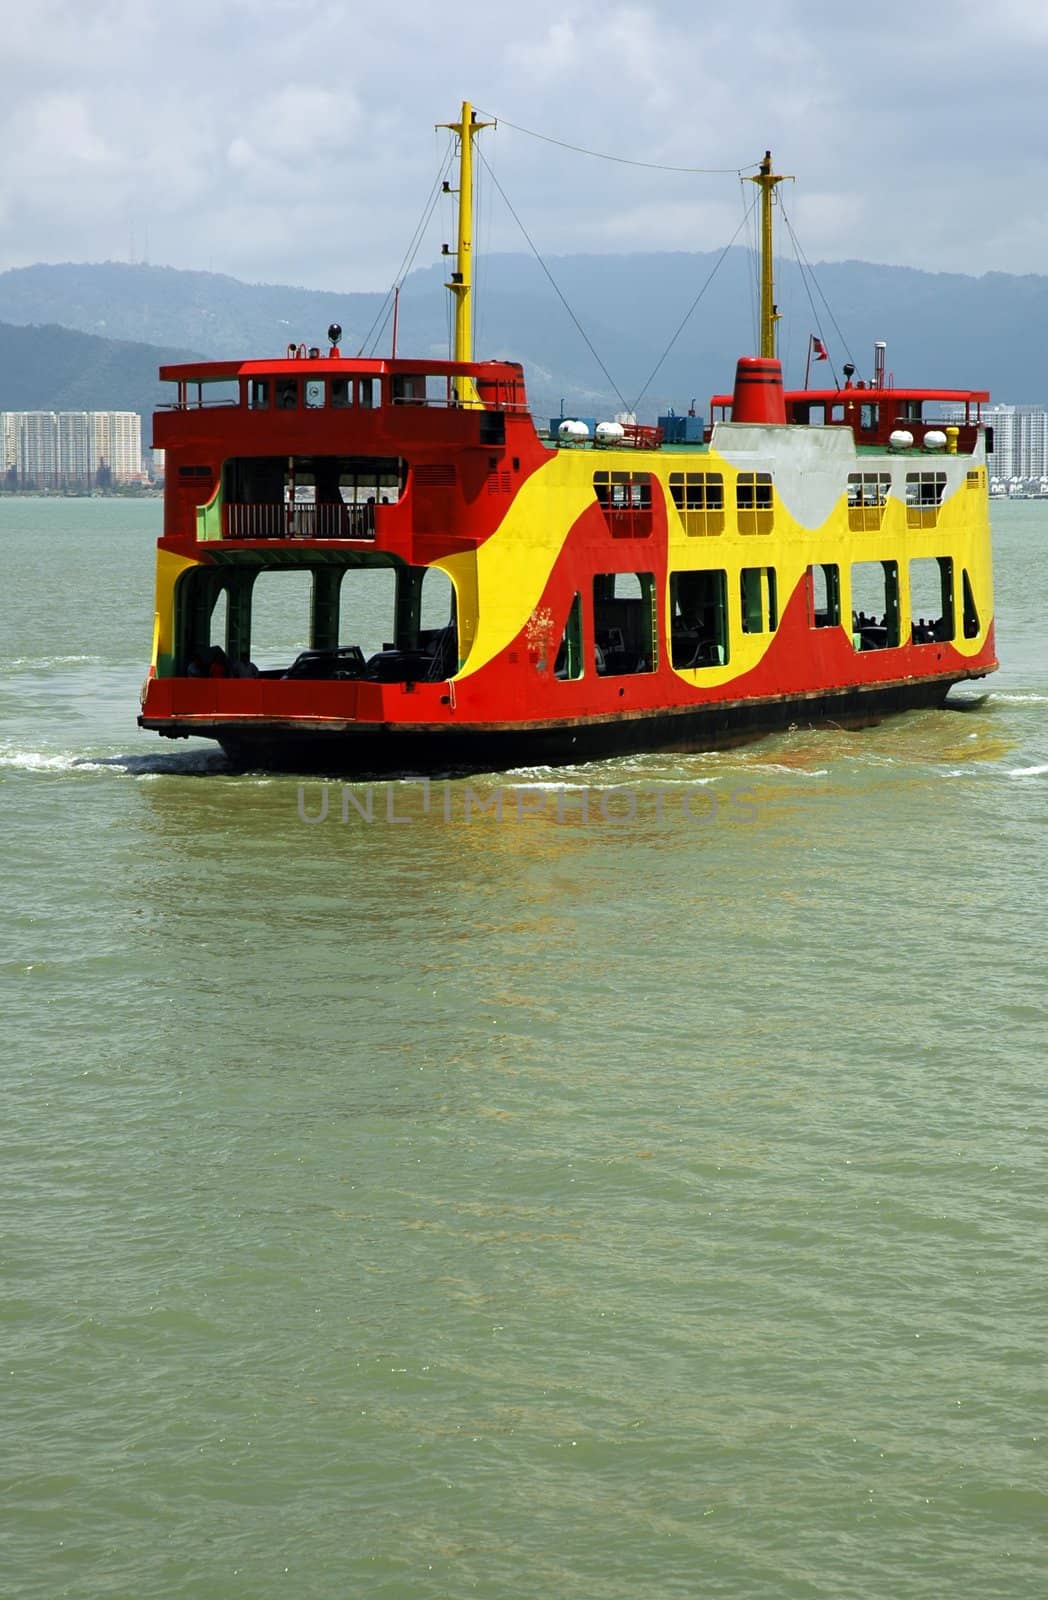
(1020, 699)
(1028, 772)
(543, 786)
(42, 663)
(37, 760)
(788, 768)
(189, 762)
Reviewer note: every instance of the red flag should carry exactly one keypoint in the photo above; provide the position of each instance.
(818, 349)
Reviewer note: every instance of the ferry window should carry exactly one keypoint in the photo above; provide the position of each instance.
(875, 604)
(931, 599)
(287, 394)
(419, 389)
(974, 479)
(699, 619)
(971, 613)
(408, 389)
(492, 430)
(314, 391)
(302, 515)
(367, 392)
(824, 592)
(218, 391)
(625, 499)
(624, 625)
(867, 498)
(623, 490)
(910, 410)
(309, 497)
(699, 498)
(341, 392)
(924, 492)
(837, 413)
(370, 481)
(753, 500)
(758, 593)
(258, 394)
(568, 660)
(194, 472)
(869, 417)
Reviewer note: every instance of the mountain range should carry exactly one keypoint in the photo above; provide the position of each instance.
(90, 336)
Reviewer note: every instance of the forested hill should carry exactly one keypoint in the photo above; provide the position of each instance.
(58, 369)
(942, 329)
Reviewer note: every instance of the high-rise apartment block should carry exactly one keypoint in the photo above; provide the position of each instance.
(1020, 443)
(70, 449)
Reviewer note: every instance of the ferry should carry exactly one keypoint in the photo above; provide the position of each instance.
(555, 594)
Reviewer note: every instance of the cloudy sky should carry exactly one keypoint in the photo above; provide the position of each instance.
(293, 141)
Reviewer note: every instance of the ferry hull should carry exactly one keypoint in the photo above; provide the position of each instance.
(342, 749)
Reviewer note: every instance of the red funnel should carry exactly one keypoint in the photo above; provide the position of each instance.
(758, 391)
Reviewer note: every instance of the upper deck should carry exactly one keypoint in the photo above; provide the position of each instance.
(227, 401)
(318, 445)
(874, 413)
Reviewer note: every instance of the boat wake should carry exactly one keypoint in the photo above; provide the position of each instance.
(181, 763)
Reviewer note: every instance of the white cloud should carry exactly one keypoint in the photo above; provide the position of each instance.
(552, 55)
(293, 139)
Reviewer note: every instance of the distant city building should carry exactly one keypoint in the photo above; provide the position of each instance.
(8, 441)
(37, 460)
(70, 449)
(1020, 443)
(74, 449)
(1018, 463)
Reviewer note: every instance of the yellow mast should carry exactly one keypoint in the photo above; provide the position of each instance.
(461, 284)
(766, 181)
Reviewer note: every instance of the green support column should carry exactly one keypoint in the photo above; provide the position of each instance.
(408, 607)
(573, 640)
(324, 620)
(208, 592)
(238, 620)
(891, 600)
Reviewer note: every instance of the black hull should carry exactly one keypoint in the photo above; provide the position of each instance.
(360, 751)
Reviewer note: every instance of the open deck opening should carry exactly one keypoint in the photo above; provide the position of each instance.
(374, 618)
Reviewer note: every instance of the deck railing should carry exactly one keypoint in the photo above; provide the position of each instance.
(299, 521)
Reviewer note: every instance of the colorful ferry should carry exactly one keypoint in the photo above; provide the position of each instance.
(554, 595)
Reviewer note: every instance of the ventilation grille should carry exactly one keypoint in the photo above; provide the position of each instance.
(440, 476)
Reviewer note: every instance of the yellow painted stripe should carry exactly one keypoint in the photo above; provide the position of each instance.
(169, 568)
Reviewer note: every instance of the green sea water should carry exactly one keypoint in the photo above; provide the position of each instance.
(644, 1202)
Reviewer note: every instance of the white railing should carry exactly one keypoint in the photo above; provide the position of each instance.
(299, 521)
